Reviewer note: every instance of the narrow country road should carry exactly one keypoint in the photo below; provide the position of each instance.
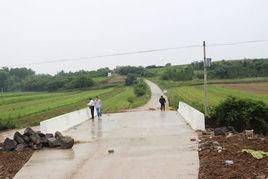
(156, 92)
(145, 144)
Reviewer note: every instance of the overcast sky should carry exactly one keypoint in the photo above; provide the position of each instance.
(34, 31)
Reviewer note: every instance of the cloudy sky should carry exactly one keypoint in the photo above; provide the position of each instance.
(33, 31)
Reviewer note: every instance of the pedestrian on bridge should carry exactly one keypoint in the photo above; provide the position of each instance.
(162, 101)
(91, 105)
(98, 106)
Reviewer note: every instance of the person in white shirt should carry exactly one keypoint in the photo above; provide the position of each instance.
(98, 106)
(91, 105)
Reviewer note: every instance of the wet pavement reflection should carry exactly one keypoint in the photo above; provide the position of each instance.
(96, 129)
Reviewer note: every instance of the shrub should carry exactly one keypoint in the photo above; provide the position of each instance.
(81, 81)
(242, 114)
(130, 99)
(131, 78)
(140, 88)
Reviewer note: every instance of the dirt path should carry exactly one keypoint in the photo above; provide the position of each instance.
(143, 144)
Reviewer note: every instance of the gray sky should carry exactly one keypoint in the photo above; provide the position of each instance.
(39, 30)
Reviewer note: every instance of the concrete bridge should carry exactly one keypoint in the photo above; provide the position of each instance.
(142, 144)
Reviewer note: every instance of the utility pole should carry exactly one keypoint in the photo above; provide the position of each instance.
(205, 79)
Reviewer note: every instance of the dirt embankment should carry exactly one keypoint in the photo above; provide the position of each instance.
(212, 162)
(12, 162)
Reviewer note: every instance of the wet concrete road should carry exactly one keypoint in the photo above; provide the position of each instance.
(146, 144)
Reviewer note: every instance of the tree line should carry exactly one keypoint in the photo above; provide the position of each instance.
(219, 70)
(25, 79)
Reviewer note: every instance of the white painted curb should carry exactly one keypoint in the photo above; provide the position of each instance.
(65, 121)
(193, 117)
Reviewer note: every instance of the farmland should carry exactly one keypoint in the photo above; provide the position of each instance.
(21, 109)
(193, 95)
(245, 79)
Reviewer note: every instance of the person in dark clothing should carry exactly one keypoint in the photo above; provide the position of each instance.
(162, 101)
(91, 105)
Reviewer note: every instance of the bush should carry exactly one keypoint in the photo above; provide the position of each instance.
(178, 74)
(242, 114)
(130, 99)
(125, 70)
(130, 80)
(140, 88)
(82, 81)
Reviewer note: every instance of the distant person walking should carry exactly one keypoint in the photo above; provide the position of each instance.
(91, 105)
(98, 106)
(162, 101)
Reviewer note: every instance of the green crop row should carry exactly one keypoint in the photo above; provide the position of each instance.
(26, 109)
(194, 95)
(166, 84)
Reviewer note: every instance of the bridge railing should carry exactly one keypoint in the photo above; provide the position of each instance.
(65, 121)
(192, 116)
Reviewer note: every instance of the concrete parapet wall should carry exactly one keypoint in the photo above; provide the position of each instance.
(193, 117)
(64, 122)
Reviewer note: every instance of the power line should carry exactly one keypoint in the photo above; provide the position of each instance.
(236, 43)
(111, 55)
(142, 52)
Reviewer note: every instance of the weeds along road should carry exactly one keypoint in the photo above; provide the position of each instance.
(142, 144)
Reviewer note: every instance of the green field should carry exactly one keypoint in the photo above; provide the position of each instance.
(194, 95)
(166, 84)
(29, 108)
(243, 82)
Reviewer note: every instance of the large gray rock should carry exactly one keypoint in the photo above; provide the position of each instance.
(60, 141)
(58, 135)
(66, 142)
(26, 139)
(20, 147)
(36, 146)
(30, 144)
(35, 139)
(29, 131)
(18, 137)
(9, 144)
(41, 134)
(53, 142)
(44, 141)
(48, 135)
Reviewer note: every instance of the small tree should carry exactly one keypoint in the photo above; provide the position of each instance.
(131, 78)
(140, 88)
(81, 81)
(168, 65)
